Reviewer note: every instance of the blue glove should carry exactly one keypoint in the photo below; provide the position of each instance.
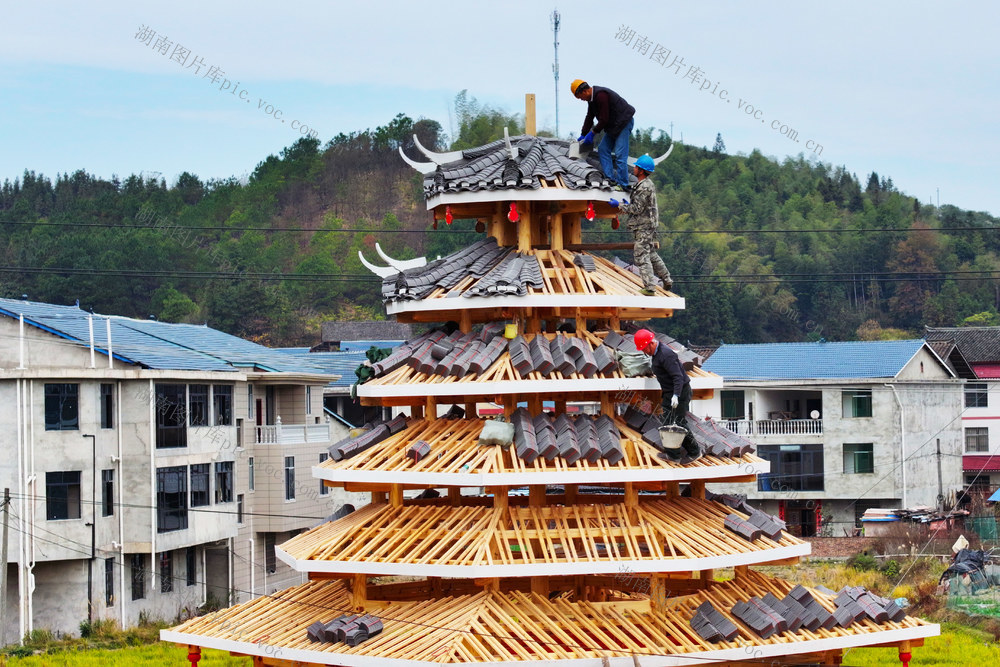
(614, 202)
(586, 138)
(625, 201)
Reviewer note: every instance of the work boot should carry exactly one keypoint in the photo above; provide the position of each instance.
(648, 291)
(672, 459)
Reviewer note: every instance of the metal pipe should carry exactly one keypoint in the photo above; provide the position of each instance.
(93, 526)
(20, 338)
(902, 441)
(90, 325)
(121, 507)
(111, 351)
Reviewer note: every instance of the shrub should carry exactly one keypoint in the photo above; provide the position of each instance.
(891, 569)
(863, 562)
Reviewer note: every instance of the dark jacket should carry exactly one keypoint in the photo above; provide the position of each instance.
(668, 370)
(611, 111)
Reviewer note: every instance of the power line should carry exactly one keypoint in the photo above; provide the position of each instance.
(451, 230)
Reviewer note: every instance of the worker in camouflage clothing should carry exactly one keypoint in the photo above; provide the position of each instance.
(644, 220)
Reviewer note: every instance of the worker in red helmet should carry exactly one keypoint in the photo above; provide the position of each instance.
(676, 391)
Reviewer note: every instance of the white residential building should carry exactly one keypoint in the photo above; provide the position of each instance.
(974, 355)
(152, 466)
(846, 427)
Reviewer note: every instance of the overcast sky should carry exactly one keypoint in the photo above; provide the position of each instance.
(907, 89)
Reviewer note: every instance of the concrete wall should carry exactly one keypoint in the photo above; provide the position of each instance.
(61, 549)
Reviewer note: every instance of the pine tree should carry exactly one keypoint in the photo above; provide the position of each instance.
(720, 146)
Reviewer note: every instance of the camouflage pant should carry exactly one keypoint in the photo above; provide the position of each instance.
(647, 259)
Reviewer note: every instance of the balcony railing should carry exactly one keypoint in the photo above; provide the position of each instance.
(291, 434)
(757, 427)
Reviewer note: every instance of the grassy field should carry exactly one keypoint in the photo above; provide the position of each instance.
(959, 645)
(153, 655)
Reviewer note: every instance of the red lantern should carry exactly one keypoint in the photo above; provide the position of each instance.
(590, 211)
(448, 217)
(513, 215)
(614, 222)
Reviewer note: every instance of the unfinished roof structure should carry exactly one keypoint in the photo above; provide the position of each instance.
(545, 537)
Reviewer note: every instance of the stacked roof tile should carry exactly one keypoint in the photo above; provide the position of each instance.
(583, 437)
(712, 438)
(502, 271)
(529, 160)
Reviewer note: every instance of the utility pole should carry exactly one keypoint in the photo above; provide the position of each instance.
(3, 565)
(555, 65)
(940, 497)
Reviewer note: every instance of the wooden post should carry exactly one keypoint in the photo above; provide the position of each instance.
(698, 488)
(523, 228)
(540, 586)
(465, 320)
(359, 592)
(396, 495)
(417, 411)
(535, 403)
(632, 502)
(560, 406)
(574, 230)
(741, 571)
(378, 497)
(455, 495)
(707, 576)
(500, 498)
(556, 232)
(657, 591)
(672, 488)
(529, 113)
(571, 490)
(432, 409)
(470, 410)
(536, 495)
(607, 404)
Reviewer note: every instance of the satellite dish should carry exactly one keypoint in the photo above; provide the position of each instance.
(814, 414)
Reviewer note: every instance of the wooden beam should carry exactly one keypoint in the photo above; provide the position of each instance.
(536, 495)
(396, 495)
(529, 113)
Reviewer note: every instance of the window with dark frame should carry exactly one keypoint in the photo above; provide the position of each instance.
(239, 508)
(859, 458)
(171, 499)
(250, 480)
(733, 404)
(222, 400)
(171, 416)
(138, 567)
(857, 403)
(108, 492)
(289, 478)
(198, 405)
(223, 482)
(200, 482)
(107, 400)
(309, 400)
(323, 488)
(977, 439)
(166, 572)
(62, 495)
(191, 566)
(793, 468)
(62, 407)
(270, 558)
(109, 582)
(977, 395)
(250, 402)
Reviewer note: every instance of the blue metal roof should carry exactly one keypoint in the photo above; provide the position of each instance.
(995, 497)
(340, 363)
(156, 345)
(806, 361)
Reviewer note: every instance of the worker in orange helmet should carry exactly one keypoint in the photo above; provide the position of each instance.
(676, 392)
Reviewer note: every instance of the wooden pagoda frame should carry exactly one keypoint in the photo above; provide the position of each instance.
(502, 579)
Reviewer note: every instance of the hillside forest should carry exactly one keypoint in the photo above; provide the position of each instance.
(762, 250)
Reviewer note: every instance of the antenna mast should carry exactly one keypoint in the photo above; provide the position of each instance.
(555, 65)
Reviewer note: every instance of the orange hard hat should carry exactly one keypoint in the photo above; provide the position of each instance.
(643, 337)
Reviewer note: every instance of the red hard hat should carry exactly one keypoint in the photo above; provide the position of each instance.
(643, 337)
